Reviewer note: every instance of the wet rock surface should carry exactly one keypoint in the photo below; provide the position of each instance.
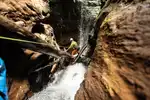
(119, 69)
(18, 90)
(24, 10)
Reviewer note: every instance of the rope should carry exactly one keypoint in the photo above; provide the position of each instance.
(80, 53)
(20, 40)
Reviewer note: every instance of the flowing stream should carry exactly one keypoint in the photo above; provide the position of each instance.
(64, 86)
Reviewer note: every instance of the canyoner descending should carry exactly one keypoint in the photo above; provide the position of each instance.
(67, 81)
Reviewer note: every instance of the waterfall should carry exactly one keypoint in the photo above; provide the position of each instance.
(64, 86)
(89, 10)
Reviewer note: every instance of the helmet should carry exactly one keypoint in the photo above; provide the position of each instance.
(71, 39)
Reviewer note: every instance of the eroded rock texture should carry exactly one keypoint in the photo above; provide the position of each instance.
(23, 9)
(26, 14)
(120, 68)
(18, 90)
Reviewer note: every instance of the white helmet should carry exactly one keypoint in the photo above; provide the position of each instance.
(71, 39)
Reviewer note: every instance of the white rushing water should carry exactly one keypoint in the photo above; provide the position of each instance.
(65, 85)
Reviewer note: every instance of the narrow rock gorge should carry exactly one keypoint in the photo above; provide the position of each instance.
(114, 37)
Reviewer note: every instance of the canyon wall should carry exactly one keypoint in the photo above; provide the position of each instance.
(19, 61)
(120, 66)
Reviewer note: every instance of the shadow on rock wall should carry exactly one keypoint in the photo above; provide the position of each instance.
(64, 19)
